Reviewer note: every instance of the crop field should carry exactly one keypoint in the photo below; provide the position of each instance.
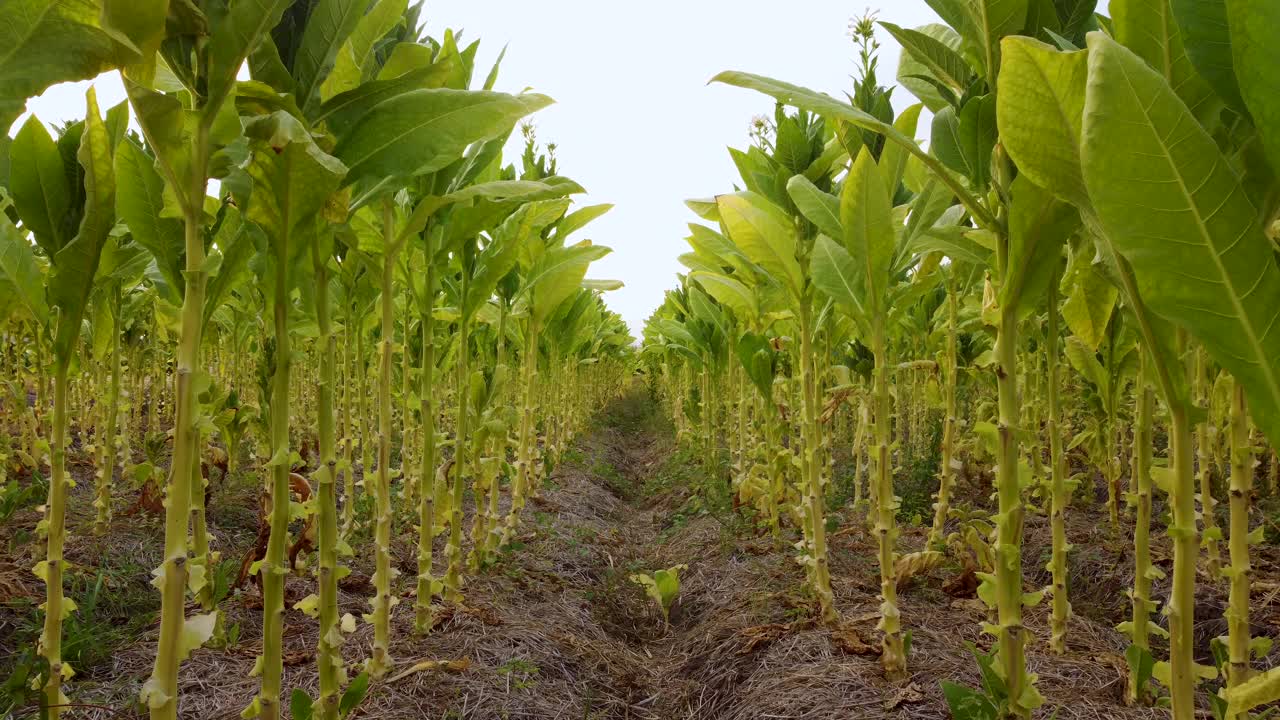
(964, 402)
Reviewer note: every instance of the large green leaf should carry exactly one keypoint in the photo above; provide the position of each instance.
(330, 24)
(19, 271)
(425, 130)
(140, 24)
(140, 203)
(729, 292)
(1039, 225)
(236, 29)
(236, 242)
(292, 180)
(1204, 30)
(1085, 361)
(820, 208)
(992, 20)
(579, 219)
(943, 62)
(1149, 29)
(45, 42)
(353, 57)
(963, 140)
(1040, 110)
(1174, 208)
(866, 214)
(75, 264)
(917, 76)
(765, 234)
(760, 362)
(1091, 299)
(39, 185)
(557, 274)
(837, 274)
(1256, 56)
(502, 253)
(893, 158)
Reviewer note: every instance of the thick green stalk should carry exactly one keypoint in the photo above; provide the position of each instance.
(1181, 606)
(461, 449)
(945, 471)
(160, 693)
(1058, 495)
(407, 482)
(1143, 570)
(51, 638)
(1008, 549)
(200, 553)
(348, 427)
(821, 577)
(423, 615)
(893, 655)
(1204, 452)
(1238, 636)
(329, 646)
(524, 457)
(274, 567)
(107, 464)
(380, 662)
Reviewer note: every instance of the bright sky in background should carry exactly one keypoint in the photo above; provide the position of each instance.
(635, 122)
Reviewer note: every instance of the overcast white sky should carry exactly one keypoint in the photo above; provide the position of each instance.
(635, 122)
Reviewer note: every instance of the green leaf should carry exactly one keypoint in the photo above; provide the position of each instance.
(502, 253)
(1149, 29)
(557, 274)
(893, 158)
(829, 107)
(1204, 30)
(1174, 208)
(75, 264)
(764, 233)
(329, 25)
(1039, 225)
(942, 61)
(1040, 109)
(300, 704)
(140, 25)
(39, 185)
(1089, 304)
(866, 213)
(838, 275)
(424, 130)
(45, 42)
(1256, 55)
(820, 208)
(963, 140)
(992, 20)
(759, 360)
(352, 59)
(19, 271)
(728, 292)
(967, 703)
(353, 695)
(236, 31)
(293, 178)
(140, 203)
(579, 219)
(917, 77)
(1085, 361)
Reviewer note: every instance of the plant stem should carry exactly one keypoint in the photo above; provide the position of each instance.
(1242, 463)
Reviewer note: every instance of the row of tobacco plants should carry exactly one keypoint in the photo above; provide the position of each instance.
(295, 242)
(1096, 210)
